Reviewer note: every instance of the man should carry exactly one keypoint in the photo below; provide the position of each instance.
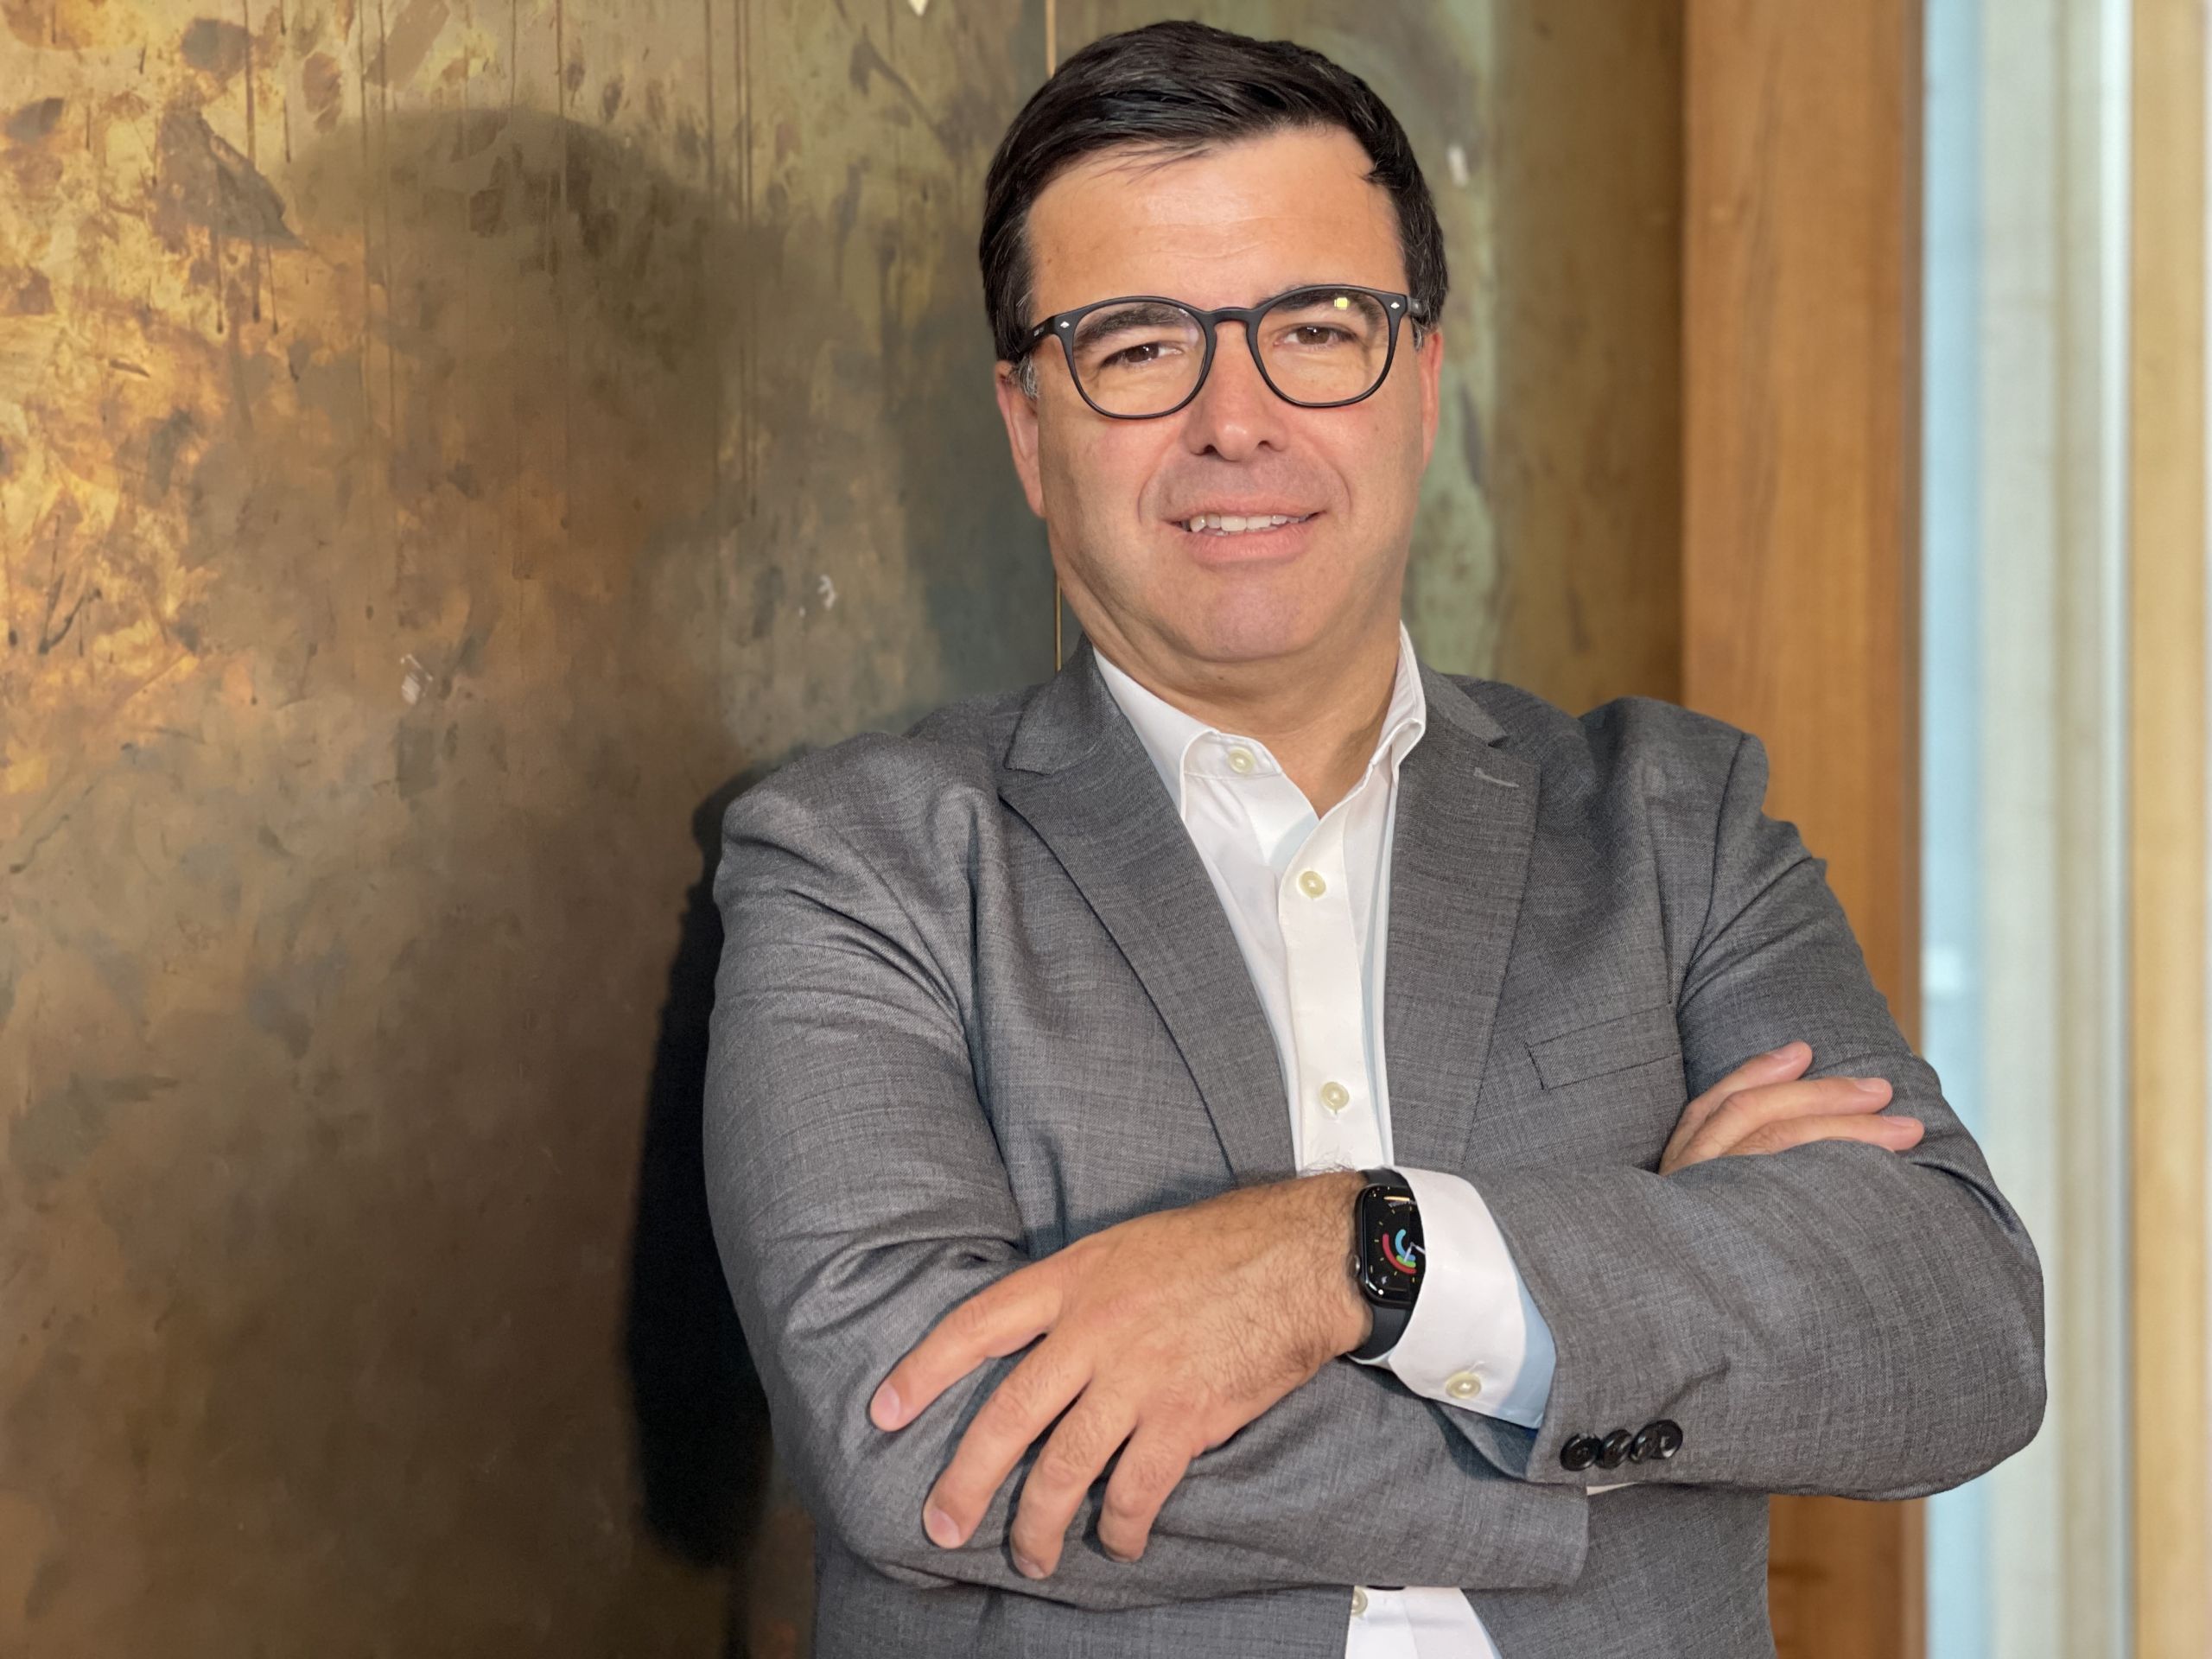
(1129, 1272)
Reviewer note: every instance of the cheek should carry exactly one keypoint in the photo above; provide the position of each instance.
(1096, 478)
(1379, 470)
(1392, 457)
(1409, 412)
(1092, 510)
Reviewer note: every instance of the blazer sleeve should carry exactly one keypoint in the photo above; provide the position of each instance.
(1835, 1318)
(858, 1194)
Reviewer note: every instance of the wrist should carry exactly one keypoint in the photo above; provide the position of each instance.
(1347, 1318)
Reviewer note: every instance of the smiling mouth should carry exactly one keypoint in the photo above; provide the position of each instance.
(1229, 523)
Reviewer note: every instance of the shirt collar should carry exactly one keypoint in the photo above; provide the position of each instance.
(1178, 743)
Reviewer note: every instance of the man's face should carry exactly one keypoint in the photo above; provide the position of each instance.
(1229, 226)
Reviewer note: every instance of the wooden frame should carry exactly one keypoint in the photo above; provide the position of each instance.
(1801, 568)
(2167, 835)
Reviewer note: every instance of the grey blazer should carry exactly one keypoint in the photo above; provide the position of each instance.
(977, 999)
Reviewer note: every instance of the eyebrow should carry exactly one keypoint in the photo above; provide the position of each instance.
(1117, 319)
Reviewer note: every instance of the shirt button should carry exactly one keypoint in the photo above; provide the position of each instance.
(1358, 1602)
(1463, 1385)
(1311, 885)
(1241, 761)
(1335, 1096)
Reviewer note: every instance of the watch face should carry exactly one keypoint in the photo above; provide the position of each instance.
(1390, 1253)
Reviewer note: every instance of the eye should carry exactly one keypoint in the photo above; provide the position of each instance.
(1136, 357)
(1314, 337)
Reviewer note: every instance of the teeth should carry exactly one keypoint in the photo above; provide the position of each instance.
(1229, 523)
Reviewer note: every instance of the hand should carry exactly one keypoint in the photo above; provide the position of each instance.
(1169, 1332)
(1758, 1108)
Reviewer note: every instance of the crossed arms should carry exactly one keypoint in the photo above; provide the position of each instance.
(1855, 1315)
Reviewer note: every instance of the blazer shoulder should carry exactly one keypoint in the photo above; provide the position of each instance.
(876, 783)
(1645, 740)
(1647, 782)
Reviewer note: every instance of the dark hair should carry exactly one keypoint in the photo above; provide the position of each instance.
(1178, 88)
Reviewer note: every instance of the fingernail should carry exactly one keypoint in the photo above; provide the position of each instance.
(1783, 1052)
(884, 1408)
(1870, 1085)
(1027, 1568)
(942, 1529)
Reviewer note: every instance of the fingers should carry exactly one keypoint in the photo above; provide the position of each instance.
(1896, 1133)
(1755, 1120)
(1749, 1110)
(1020, 1409)
(1152, 1465)
(1784, 1063)
(990, 1324)
(1075, 1455)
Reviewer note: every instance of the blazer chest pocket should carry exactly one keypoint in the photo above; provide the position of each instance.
(1610, 1045)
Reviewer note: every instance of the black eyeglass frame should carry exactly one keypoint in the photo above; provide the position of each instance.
(1061, 325)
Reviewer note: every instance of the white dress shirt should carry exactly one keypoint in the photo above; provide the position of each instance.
(1308, 899)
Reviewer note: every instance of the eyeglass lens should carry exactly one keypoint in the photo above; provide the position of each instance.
(1320, 346)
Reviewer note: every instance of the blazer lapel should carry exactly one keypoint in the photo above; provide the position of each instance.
(1467, 818)
(1079, 776)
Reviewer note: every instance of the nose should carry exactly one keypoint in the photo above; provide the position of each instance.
(1235, 414)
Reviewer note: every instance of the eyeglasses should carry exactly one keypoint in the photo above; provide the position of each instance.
(1143, 356)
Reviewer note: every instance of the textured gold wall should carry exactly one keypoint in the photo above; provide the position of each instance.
(444, 446)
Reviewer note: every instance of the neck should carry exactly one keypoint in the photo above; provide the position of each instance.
(1320, 713)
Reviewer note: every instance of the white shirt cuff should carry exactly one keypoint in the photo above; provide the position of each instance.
(1475, 1338)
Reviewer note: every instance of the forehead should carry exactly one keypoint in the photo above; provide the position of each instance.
(1225, 226)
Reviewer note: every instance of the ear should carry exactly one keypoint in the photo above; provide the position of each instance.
(1432, 370)
(1020, 414)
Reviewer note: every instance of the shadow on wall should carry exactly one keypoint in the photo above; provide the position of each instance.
(688, 581)
(702, 1420)
(700, 1416)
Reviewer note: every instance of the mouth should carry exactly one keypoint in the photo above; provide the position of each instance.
(1232, 523)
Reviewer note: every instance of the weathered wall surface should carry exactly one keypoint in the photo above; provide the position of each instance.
(444, 446)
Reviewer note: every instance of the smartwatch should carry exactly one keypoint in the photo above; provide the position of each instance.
(1387, 1257)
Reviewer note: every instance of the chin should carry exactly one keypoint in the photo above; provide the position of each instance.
(1234, 634)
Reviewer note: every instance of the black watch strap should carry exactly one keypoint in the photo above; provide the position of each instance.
(1389, 1324)
(1390, 1317)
